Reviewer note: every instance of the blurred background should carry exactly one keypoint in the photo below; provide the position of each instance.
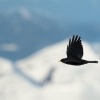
(33, 37)
(27, 26)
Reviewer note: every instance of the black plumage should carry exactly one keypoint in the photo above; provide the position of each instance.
(75, 52)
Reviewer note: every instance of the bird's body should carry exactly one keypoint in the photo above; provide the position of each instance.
(74, 61)
(75, 53)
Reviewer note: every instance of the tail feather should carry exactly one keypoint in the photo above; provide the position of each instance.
(92, 61)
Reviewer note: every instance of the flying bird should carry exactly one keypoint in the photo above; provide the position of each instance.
(75, 52)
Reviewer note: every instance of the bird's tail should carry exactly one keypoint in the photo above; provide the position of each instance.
(92, 61)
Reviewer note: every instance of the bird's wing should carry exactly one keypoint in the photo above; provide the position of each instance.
(75, 48)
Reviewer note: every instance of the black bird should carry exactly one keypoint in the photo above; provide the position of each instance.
(75, 52)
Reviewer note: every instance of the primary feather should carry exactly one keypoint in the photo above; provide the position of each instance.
(75, 48)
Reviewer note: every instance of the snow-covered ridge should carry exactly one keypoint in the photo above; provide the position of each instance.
(22, 80)
(49, 57)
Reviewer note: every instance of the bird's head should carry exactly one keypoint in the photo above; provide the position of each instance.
(63, 60)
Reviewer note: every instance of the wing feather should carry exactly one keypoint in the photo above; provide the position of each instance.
(75, 48)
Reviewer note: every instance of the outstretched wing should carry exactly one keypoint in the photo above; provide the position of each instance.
(75, 48)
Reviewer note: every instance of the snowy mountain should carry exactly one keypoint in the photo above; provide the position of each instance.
(30, 31)
(42, 77)
(49, 57)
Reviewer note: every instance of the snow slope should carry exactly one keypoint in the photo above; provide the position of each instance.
(42, 77)
(67, 82)
(13, 87)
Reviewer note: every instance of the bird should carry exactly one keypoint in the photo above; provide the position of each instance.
(75, 52)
